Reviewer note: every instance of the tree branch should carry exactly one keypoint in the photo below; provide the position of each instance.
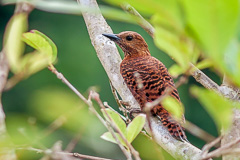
(141, 21)
(232, 92)
(232, 134)
(225, 149)
(6, 153)
(110, 59)
(106, 50)
(65, 154)
(203, 79)
(4, 70)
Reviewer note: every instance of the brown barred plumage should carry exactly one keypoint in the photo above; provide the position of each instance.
(153, 74)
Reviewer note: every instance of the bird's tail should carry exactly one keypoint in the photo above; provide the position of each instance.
(173, 127)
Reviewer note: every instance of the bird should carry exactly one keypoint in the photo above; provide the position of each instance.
(155, 79)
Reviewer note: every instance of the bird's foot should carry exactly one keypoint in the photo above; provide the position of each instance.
(124, 103)
(122, 108)
(134, 111)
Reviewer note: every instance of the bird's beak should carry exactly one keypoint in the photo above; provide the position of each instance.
(112, 37)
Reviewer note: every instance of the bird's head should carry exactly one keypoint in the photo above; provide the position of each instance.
(132, 43)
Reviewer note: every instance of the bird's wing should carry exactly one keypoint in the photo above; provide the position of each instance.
(156, 80)
(152, 74)
(168, 81)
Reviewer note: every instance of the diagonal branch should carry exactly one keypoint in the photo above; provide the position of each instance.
(141, 21)
(110, 59)
(5, 153)
(4, 69)
(65, 155)
(225, 149)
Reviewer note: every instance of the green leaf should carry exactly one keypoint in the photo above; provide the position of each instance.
(33, 62)
(149, 149)
(134, 128)
(206, 63)
(213, 24)
(51, 43)
(108, 137)
(42, 43)
(167, 13)
(231, 57)
(117, 120)
(14, 47)
(170, 43)
(196, 54)
(173, 106)
(175, 70)
(231, 65)
(219, 108)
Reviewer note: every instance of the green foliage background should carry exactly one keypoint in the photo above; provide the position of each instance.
(33, 104)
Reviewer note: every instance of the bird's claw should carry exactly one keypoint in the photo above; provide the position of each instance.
(124, 103)
(133, 111)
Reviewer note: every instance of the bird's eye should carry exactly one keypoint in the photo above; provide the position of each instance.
(129, 38)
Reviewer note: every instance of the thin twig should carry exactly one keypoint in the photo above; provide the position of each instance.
(111, 125)
(76, 155)
(208, 146)
(65, 81)
(204, 79)
(107, 106)
(88, 102)
(120, 106)
(232, 151)
(13, 81)
(73, 143)
(141, 21)
(57, 123)
(218, 152)
(134, 152)
(198, 132)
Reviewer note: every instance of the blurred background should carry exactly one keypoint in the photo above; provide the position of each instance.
(36, 105)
